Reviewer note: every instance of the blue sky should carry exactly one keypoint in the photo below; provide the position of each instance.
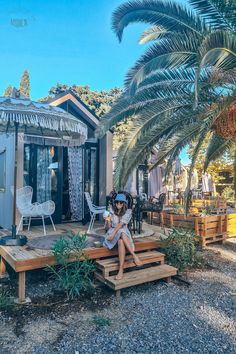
(66, 41)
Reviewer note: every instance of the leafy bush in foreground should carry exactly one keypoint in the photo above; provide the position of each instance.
(5, 300)
(181, 249)
(72, 277)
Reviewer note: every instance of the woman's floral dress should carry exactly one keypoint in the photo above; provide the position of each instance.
(115, 221)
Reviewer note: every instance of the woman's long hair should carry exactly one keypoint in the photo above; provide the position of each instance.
(122, 210)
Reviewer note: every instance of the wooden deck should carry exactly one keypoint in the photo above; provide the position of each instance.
(22, 259)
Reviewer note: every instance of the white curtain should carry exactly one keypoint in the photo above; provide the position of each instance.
(194, 179)
(184, 177)
(178, 166)
(131, 186)
(205, 183)
(75, 174)
(210, 183)
(155, 182)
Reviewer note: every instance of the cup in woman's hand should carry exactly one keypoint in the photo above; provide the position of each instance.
(106, 214)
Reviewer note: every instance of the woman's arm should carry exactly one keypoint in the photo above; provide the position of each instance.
(107, 223)
(117, 228)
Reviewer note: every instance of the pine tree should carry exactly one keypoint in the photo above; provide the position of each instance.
(8, 91)
(25, 84)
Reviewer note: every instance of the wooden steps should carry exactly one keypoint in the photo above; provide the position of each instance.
(111, 264)
(153, 268)
(139, 276)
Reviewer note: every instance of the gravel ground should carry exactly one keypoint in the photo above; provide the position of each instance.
(151, 318)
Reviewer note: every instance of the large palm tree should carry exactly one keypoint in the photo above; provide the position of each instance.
(182, 87)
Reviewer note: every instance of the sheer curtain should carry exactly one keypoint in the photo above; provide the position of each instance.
(44, 187)
(75, 174)
(155, 182)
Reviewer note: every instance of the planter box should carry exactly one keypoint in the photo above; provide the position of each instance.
(231, 225)
(218, 203)
(209, 228)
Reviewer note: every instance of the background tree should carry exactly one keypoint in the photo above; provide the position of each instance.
(223, 163)
(99, 102)
(25, 84)
(8, 91)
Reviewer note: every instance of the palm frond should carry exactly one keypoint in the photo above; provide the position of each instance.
(142, 136)
(218, 13)
(157, 119)
(153, 33)
(167, 14)
(167, 54)
(177, 141)
(219, 50)
(121, 110)
(170, 141)
(143, 103)
(217, 147)
(173, 78)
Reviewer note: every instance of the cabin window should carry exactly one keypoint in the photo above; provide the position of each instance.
(2, 170)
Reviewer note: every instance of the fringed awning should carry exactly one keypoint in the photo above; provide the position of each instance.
(47, 141)
(39, 119)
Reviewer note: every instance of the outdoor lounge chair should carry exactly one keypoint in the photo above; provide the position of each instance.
(94, 210)
(29, 210)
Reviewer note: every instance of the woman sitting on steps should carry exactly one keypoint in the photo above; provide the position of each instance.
(118, 232)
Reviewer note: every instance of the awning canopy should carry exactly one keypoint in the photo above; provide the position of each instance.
(41, 120)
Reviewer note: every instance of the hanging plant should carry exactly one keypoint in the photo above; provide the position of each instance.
(225, 124)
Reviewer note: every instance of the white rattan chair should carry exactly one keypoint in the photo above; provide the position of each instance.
(94, 210)
(29, 210)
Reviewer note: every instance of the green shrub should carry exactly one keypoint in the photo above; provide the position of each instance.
(177, 209)
(72, 277)
(5, 300)
(208, 210)
(181, 249)
(228, 193)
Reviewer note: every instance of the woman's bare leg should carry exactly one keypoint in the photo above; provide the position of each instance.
(128, 246)
(121, 254)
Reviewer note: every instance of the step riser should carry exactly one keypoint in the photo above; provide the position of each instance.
(130, 264)
(142, 255)
(109, 265)
(138, 277)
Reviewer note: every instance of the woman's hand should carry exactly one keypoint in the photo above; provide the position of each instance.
(110, 237)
